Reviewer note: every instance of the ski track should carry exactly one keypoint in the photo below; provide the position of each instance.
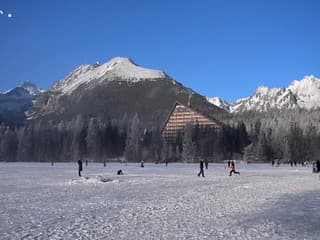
(39, 201)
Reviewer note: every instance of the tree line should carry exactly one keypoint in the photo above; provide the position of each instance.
(292, 136)
(287, 135)
(123, 139)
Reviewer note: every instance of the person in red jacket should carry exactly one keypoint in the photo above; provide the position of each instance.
(233, 169)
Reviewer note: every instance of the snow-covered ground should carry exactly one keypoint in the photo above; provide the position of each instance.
(39, 201)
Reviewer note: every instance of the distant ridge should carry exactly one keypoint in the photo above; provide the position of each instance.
(303, 94)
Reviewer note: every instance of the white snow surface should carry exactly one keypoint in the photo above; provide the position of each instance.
(40, 201)
(118, 68)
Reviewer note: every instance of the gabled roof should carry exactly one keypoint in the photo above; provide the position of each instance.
(204, 116)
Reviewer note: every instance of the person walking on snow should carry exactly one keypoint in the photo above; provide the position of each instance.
(206, 163)
(201, 169)
(80, 167)
(233, 169)
(318, 165)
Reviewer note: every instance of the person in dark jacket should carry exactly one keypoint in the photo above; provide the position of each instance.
(80, 167)
(201, 169)
(233, 169)
(318, 165)
(206, 163)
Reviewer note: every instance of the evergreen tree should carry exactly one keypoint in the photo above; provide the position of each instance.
(164, 151)
(133, 141)
(171, 155)
(93, 139)
(9, 145)
(177, 153)
(188, 146)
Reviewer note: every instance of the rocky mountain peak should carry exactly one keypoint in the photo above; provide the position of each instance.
(299, 94)
(30, 87)
(117, 69)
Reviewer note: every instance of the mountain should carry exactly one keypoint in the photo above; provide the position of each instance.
(116, 89)
(14, 102)
(265, 99)
(31, 88)
(303, 94)
(219, 103)
(307, 92)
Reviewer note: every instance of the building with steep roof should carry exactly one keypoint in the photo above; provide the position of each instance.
(180, 116)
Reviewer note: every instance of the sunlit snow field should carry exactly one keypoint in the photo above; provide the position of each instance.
(39, 201)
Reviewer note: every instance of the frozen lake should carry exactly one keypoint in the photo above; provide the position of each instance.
(39, 201)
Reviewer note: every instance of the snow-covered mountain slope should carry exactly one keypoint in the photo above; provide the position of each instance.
(25, 89)
(118, 68)
(307, 92)
(16, 93)
(31, 88)
(219, 103)
(304, 94)
(265, 99)
(14, 102)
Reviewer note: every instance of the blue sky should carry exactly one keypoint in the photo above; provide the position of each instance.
(218, 48)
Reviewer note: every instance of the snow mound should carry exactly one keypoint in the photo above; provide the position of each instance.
(91, 180)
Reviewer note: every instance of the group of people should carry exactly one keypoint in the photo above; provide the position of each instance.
(277, 162)
(273, 163)
(205, 163)
(119, 172)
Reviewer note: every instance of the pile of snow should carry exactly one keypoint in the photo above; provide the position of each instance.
(117, 68)
(91, 180)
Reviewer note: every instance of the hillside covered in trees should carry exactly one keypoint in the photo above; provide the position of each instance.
(124, 139)
(288, 135)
